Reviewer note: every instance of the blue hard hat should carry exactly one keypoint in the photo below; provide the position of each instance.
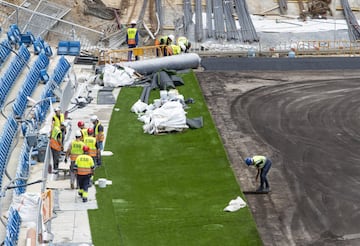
(248, 161)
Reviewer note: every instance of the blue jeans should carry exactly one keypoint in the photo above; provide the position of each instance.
(263, 172)
(130, 53)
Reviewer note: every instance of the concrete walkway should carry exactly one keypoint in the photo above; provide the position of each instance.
(70, 223)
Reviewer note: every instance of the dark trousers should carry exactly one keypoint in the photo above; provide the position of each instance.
(56, 157)
(130, 53)
(84, 184)
(263, 172)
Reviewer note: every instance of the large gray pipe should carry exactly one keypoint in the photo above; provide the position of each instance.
(176, 62)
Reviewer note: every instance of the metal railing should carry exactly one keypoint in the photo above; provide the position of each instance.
(301, 48)
(121, 55)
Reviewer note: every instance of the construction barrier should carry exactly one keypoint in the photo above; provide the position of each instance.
(121, 55)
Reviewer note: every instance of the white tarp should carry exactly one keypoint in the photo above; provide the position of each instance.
(116, 76)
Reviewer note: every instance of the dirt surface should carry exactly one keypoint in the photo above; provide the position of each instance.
(308, 124)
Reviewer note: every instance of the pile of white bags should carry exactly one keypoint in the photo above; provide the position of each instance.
(164, 115)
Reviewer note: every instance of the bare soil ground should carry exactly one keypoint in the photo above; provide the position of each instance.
(307, 123)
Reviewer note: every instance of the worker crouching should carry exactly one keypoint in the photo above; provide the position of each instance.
(263, 165)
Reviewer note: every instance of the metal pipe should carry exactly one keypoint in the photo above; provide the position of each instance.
(176, 62)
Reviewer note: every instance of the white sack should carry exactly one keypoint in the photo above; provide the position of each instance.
(169, 117)
(115, 77)
(139, 107)
(27, 205)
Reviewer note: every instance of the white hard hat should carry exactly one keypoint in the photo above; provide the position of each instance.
(57, 109)
(183, 47)
(93, 118)
(171, 37)
(78, 134)
(133, 22)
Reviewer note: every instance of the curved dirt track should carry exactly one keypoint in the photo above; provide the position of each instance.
(309, 125)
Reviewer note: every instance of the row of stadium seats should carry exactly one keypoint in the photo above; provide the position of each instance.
(60, 71)
(23, 169)
(30, 84)
(12, 228)
(5, 50)
(12, 73)
(6, 139)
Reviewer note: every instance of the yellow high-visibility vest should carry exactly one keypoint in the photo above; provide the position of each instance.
(76, 149)
(84, 164)
(131, 32)
(57, 120)
(91, 143)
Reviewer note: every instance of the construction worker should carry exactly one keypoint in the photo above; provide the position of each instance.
(98, 131)
(56, 145)
(263, 165)
(185, 42)
(132, 39)
(75, 149)
(58, 120)
(173, 49)
(84, 168)
(167, 40)
(94, 150)
(83, 129)
(159, 50)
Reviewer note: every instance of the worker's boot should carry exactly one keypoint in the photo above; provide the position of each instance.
(260, 189)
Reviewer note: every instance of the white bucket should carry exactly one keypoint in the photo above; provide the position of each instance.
(102, 183)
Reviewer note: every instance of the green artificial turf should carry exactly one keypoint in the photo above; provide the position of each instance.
(167, 189)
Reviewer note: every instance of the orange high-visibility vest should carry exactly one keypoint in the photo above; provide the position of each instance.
(54, 142)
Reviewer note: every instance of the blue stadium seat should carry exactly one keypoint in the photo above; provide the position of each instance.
(12, 227)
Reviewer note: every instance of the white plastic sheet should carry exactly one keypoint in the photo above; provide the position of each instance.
(235, 205)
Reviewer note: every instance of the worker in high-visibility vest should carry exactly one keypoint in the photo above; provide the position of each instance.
(168, 42)
(173, 49)
(58, 120)
(163, 41)
(75, 149)
(56, 146)
(184, 43)
(132, 39)
(98, 131)
(99, 135)
(83, 129)
(84, 168)
(94, 150)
